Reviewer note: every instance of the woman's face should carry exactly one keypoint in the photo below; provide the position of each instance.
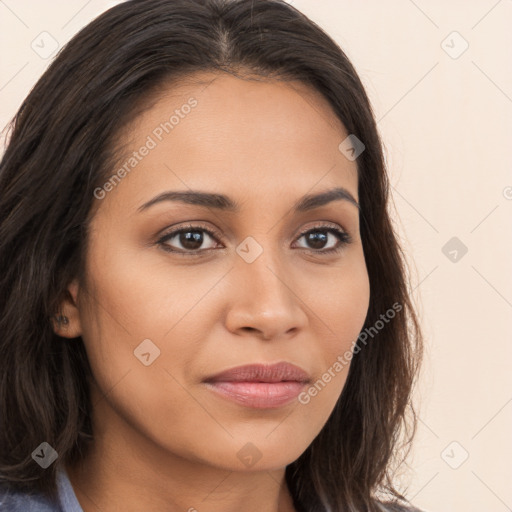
(162, 313)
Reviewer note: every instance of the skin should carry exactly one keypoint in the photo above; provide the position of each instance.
(163, 440)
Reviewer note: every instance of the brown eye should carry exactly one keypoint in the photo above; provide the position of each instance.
(189, 239)
(318, 238)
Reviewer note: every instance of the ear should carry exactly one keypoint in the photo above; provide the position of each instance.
(66, 323)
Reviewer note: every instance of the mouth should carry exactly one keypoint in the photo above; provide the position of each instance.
(260, 386)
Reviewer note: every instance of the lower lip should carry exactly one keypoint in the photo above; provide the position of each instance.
(259, 395)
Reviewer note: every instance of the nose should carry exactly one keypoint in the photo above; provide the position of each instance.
(266, 301)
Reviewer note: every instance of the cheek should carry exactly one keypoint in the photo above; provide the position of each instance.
(340, 306)
(147, 293)
(138, 295)
(340, 302)
(130, 302)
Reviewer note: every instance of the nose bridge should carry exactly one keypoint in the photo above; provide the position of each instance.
(265, 299)
(267, 282)
(261, 264)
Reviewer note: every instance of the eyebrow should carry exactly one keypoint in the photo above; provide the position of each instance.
(224, 203)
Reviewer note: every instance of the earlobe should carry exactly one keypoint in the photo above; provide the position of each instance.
(66, 323)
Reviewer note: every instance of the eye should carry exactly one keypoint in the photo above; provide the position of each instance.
(318, 237)
(191, 238)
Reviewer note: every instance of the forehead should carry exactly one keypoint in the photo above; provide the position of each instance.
(222, 133)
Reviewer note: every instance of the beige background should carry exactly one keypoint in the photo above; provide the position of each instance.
(446, 120)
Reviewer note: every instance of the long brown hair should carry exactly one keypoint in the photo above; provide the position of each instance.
(61, 148)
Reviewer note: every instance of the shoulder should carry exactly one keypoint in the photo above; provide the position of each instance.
(16, 501)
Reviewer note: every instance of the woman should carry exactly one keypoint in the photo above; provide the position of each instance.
(204, 305)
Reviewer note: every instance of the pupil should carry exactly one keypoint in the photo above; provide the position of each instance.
(191, 242)
(316, 239)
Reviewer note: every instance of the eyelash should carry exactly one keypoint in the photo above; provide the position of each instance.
(343, 237)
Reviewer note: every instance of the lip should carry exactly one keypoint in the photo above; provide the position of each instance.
(260, 386)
